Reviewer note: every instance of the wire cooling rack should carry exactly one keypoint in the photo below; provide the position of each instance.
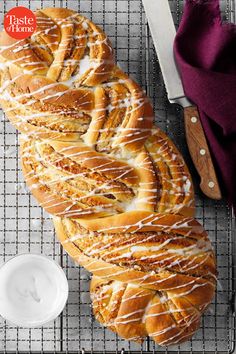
(25, 227)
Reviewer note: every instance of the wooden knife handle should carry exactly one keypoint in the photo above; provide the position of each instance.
(200, 153)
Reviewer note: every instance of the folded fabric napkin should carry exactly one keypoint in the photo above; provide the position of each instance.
(205, 51)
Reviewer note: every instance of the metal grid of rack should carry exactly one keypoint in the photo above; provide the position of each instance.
(25, 227)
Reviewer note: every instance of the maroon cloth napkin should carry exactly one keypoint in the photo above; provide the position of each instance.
(205, 51)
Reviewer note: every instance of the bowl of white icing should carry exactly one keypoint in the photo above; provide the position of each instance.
(33, 290)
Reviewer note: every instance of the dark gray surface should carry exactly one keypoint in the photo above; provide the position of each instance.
(25, 227)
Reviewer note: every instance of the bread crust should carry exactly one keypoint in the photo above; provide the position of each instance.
(120, 186)
(165, 304)
(53, 71)
(134, 312)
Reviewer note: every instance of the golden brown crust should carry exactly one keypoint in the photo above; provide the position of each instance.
(81, 181)
(145, 221)
(25, 57)
(45, 73)
(116, 115)
(74, 180)
(100, 48)
(184, 236)
(154, 274)
(64, 35)
(177, 193)
(134, 312)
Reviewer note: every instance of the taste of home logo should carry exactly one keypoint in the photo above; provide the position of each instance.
(20, 22)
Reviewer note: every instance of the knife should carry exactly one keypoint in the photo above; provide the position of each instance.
(163, 34)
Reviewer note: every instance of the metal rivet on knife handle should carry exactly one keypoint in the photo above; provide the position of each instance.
(203, 152)
(194, 119)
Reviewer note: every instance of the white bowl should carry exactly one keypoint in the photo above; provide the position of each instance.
(33, 290)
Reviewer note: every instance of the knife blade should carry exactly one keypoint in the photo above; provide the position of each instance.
(163, 33)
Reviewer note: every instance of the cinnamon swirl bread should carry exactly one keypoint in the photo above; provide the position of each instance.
(119, 190)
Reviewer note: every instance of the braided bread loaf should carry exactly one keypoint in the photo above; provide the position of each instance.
(119, 190)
